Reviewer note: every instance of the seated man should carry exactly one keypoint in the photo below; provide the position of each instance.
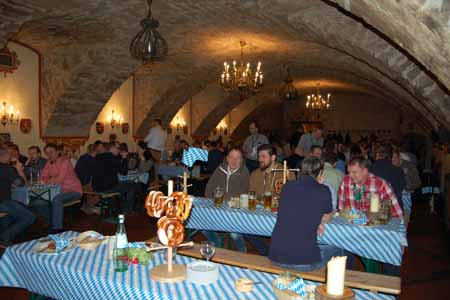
(15, 154)
(35, 163)
(104, 176)
(232, 178)
(58, 170)
(84, 169)
(215, 158)
(359, 182)
(19, 218)
(263, 179)
(304, 204)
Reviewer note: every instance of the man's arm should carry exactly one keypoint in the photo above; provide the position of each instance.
(149, 136)
(388, 194)
(300, 149)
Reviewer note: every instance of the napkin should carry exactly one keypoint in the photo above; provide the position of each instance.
(60, 243)
(361, 220)
(136, 245)
(297, 286)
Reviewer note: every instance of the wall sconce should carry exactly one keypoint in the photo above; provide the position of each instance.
(179, 123)
(222, 127)
(116, 119)
(10, 116)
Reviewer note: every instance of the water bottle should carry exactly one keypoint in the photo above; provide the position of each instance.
(121, 249)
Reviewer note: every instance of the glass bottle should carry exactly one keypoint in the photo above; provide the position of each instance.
(121, 249)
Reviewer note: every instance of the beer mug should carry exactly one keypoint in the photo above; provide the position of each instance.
(218, 197)
(252, 199)
(268, 201)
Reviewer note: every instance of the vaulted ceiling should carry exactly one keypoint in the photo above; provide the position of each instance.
(395, 50)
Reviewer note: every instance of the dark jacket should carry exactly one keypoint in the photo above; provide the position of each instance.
(232, 185)
(8, 177)
(392, 174)
(84, 168)
(215, 158)
(302, 204)
(106, 168)
(36, 167)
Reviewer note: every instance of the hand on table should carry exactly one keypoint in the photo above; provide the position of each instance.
(321, 229)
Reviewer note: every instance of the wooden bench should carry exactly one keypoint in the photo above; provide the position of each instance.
(354, 279)
(3, 214)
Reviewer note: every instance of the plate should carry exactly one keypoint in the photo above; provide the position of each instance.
(43, 248)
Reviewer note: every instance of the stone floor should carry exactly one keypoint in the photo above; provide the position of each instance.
(425, 271)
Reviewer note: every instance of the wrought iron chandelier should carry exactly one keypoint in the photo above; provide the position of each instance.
(239, 76)
(288, 91)
(148, 45)
(317, 101)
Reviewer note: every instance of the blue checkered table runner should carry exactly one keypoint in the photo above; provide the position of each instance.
(135, 177)
(24, 193)
(83, 274)
(382, 243)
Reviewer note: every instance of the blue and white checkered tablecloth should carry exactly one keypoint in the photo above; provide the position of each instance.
(382, 243)
(83, 274)
(23, 193)
(191, 155)
(135, 177)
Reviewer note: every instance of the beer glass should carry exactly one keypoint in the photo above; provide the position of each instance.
(252, 201)
(268, 201)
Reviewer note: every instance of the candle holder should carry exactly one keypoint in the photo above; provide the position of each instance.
(321, 294)
(171, 210)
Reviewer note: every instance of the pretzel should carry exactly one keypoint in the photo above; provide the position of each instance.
(183, 205)
(170, 231)
(155, 204)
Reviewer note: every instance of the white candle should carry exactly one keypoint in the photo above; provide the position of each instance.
(170, 188)
(374, 203)
(336, 275)
(185, 190)
(284, 172)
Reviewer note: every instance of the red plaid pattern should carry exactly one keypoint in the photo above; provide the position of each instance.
(373, 184)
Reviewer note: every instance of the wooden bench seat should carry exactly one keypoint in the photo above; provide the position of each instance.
(71, 203)
(3, 214)
(354, 279)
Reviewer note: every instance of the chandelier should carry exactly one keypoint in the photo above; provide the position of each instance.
(148, 44)
(9, 117)
(240, 76)
(288, 91)
(317, 101)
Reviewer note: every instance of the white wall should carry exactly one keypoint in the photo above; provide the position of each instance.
(21, 89)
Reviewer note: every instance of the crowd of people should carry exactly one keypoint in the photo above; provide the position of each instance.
(330, 175)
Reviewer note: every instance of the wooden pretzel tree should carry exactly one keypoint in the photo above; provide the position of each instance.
(172, 211)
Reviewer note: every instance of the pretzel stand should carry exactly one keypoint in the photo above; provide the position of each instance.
(278, 183)
(172, 211)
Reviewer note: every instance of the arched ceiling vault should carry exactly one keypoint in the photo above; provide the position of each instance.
(84, 48)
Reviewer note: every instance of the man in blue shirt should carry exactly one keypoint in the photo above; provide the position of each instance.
(304, 205)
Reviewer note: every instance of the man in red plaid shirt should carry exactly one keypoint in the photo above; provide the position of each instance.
(359, 183)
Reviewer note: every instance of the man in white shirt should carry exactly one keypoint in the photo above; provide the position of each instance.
(156, 139)
(250, 147)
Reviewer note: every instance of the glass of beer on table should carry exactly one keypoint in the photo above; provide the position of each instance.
(268, 201)
(218, 197)
(252, 199)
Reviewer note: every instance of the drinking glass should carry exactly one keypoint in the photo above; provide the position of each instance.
(218, 198)
(207, 250)
(268, 200)
(385, 211)
(166, 253)
(252, 201)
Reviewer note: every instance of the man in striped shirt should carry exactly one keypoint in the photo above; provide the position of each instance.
(357, 186)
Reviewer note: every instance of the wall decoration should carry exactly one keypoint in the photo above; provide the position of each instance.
(8, 61)
(99, 127)
(25, 125)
